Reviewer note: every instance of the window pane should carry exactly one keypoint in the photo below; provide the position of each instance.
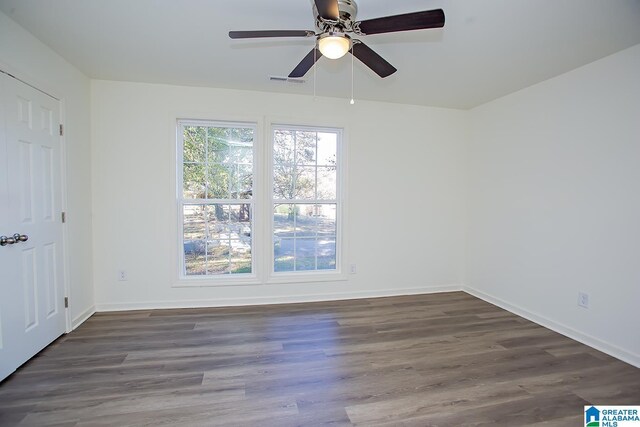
(283, 250)
(218, 157)
(218, 259)
(194, 240)
(305, 254)
(283, 147)
(194, 223)
(241, 154)
(240, 222)
(240, 256)
(296, 231)
(217, 238)
(305, 185)
(195, 264)
(216, 225)
(284, 220)
(305, 148)
(194, 181)
(326, 250)
(306, 221)
(217, 182)
(326, 219)
(240, 136)
(283, 182)
(241, 177)
(327, 146)
(217, 139)
(194, 144)
(327, 183)
(219, 213)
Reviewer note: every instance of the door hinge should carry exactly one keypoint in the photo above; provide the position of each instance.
(64, 217)
(66, 302)
(61, 129)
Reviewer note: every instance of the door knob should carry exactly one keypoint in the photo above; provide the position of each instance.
(20, 237)
(4, 240)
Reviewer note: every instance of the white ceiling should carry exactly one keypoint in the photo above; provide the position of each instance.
(487, 49)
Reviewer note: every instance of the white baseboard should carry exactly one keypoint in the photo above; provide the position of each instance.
(232, 302)
(598, 344)
(82, 317)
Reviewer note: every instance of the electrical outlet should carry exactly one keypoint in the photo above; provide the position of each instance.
(583, 299)
(352, 269)
(122, 276)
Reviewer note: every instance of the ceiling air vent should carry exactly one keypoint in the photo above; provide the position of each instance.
(286, 79)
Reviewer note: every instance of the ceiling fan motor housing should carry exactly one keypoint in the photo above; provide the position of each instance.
(348, 9)
(348, 12)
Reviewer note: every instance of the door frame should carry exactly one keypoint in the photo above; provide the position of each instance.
(27, 79)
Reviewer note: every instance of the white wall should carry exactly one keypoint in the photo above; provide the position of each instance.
(405, 181)
(554, 203)
(32, 61)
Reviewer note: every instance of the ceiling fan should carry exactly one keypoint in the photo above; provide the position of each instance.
(335, 20)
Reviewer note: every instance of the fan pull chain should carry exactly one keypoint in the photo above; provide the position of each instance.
(315, 59)
(352, 101)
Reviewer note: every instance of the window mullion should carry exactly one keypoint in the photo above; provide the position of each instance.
(206, 239)
(207, 184)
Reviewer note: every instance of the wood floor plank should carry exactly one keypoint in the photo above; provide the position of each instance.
(445, 359)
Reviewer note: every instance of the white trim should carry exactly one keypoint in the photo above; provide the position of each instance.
(598, 344)
(206, 281)
(306, 276)
(83, 317)
(229, 302)
(64, 208)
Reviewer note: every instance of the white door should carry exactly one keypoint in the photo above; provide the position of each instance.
(32, 312)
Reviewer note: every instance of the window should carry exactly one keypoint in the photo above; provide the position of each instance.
(253, 209)
(305, 199)
(216, 197)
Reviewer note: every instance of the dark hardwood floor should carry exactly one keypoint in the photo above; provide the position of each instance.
(430, 360)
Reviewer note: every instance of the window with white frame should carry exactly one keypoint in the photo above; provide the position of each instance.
(216, 203)
(223, 223)
(305, 198)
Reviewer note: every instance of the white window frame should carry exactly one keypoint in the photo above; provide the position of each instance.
(262, 204)
(309, 275)
(216, 279)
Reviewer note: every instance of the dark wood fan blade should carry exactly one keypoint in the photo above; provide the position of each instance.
(328, 9)
(406, 22)
(372, 60)
(270, 33)
(306, 64)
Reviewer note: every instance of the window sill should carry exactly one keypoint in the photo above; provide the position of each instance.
(274, 279)
(305, 277)
(215, 281)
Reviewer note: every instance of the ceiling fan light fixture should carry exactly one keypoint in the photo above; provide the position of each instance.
(334, 45)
